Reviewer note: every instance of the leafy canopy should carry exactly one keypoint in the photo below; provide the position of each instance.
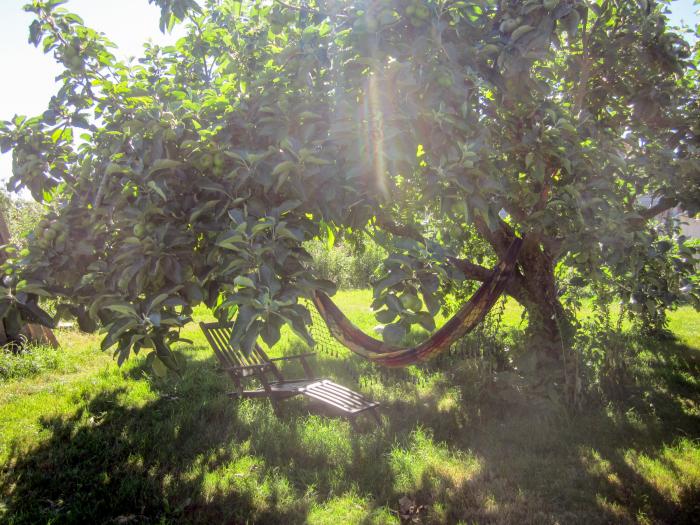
(195, 173)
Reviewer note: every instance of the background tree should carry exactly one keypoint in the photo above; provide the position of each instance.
(196, 173)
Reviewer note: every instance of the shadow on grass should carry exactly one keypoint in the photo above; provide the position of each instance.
(608, 464)
(190, 454)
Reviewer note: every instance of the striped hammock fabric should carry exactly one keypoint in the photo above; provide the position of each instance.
(468, 317)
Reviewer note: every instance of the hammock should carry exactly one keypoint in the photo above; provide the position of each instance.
(468, 317)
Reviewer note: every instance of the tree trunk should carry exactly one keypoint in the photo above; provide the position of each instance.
(548, 323)
(534, 287)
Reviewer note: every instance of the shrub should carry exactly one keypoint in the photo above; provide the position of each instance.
(21, 216)
(346, 266)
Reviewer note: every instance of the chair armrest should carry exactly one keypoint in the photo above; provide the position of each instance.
(246, 367)
(297, 356)
(302, 357)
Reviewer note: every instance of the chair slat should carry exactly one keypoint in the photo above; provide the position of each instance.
(345, 393)
(219, 336)
(215, 344)
(225, 348)
(259, 354)
(237, 357)
(339, 398)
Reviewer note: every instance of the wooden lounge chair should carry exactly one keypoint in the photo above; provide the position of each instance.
(258, 365)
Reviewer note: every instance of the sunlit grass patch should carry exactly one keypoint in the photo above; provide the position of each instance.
(617, 511)
(243, 474)
(350, 509)
(685, 324)
(30, 361)
(675, 472)
(425, 466)
(600, 467)
(326, 439)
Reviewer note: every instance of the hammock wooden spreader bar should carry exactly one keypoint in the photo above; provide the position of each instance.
(469, 316)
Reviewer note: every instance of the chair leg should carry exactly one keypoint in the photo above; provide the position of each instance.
(239, 387)
(307, 369)
(375, 415)
(238, 394)
(273, 400)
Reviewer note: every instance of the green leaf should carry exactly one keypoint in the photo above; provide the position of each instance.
(230, 240)
(393, 303)
(125, 309)
(270, 333)
(115, 330)
(242, 280)
(394, 333)
(194, 293)
(386, 316)
(158, 300)
(299, 328)
(286, 233)
(395, 277)
(330, 235)
(245, 318)
(155, 318)
(158, 366)
(283, 167)
(36, 289)
(154, 186)
(410, 301)
(426, 321)
(432, 303)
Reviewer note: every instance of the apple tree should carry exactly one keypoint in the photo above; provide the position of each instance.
(195, 173)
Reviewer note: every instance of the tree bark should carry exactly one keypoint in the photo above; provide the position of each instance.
(533, 286)
(546, 315)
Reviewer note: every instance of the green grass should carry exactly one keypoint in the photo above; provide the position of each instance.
(83, 441)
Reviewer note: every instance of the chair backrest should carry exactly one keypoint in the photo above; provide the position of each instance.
(219, 337)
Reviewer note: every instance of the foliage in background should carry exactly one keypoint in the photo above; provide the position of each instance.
(345, 265)
(21, 216)
(662, 275)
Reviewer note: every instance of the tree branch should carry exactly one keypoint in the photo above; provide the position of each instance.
(389, 225)
(515, 286)
(499, 239)
(665, 204)
(471, 270)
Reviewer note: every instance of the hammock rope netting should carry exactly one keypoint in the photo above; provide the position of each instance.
(332, 330)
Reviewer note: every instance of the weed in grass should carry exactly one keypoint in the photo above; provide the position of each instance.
(29, 361)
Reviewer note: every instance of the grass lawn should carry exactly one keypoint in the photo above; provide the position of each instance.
(84, 441)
